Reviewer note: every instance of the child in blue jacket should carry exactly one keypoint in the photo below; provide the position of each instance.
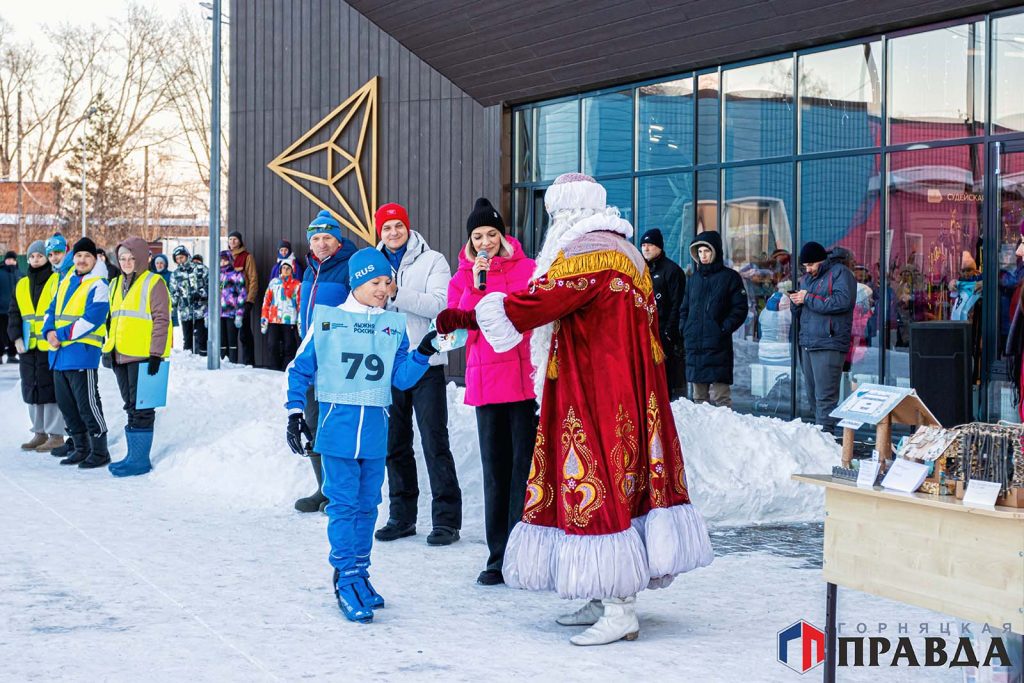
(355, 352)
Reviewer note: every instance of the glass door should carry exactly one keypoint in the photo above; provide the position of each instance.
(1007, 271)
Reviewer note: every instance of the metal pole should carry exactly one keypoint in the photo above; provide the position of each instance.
(831, 600)
(83, 176)
(22, 242)
(145, 193)
(213, 302)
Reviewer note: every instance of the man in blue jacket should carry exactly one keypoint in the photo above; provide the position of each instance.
(324, 283)
(354, 353)
(75, 327)
(824, 307)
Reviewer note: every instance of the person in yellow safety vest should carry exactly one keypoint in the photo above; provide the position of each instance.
(75, 327)
(32, 296)
(139, 340)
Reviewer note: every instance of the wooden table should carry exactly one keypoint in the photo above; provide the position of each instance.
(924, 550)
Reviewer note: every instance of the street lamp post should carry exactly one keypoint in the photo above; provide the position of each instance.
(88, 115)
(213, 300)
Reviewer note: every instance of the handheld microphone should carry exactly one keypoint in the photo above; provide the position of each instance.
(481, 277)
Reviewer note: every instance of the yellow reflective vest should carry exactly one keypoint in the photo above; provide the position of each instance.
(68, 310)
(131, 316)
(34, 315)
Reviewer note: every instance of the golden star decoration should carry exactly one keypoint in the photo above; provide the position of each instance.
(356, 215)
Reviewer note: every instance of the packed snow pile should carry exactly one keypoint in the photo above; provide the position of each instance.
(221, 439)
(738, 466)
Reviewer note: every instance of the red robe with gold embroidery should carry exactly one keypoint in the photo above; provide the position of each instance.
(607, 452)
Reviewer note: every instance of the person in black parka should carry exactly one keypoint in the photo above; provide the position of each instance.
(714, 306)
(669, 289)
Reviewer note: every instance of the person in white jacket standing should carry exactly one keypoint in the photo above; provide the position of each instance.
(419, 289)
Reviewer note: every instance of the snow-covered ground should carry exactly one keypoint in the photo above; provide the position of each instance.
(202, 570)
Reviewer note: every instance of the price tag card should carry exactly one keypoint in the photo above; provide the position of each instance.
(867, 473)
(905, 475)
(981, 493)
(850, 424)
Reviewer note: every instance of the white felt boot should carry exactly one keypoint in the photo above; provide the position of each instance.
(584, 616)
(618, 622)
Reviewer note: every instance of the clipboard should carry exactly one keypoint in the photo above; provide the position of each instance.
(26, 332)
(151, 391)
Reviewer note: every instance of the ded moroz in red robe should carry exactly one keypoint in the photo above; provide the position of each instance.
(607, 511)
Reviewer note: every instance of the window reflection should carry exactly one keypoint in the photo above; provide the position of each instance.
(759, 110)
(523, 141)
(1008, 74)
(557, 139)
(933, 244)
(608, 133)
(664, 203)
(665, 131)
(620, 195)
(708, 127)
(936, 84)
(758, 243)
(841, 98)
(840, 208)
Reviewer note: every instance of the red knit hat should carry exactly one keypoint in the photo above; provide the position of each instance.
(390, 212)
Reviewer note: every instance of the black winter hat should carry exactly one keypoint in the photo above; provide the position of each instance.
(484, 213)
(180, 250)
(10, 254)
(85, 244)
(813, 252)
(235, 233)
(653, 236)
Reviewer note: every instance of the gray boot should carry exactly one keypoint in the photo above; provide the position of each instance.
(313, 503)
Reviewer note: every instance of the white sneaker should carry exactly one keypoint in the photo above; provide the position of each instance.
(584, 616)
(618, 622)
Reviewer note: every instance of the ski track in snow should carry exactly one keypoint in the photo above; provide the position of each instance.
(202, 571)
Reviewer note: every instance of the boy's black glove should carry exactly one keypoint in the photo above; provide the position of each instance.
(154, 365)
(297, 428)
(425, 347)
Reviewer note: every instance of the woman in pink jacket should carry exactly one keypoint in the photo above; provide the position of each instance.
(497, 384)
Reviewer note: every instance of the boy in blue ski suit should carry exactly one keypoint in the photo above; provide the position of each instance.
(355, 352)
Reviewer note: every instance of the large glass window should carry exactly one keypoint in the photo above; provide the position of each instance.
(757, 238)
(936, 84)
(1008, 74)
(558, 139)
(665, 130)
(759, 110)
(780, 152)
(665, 202)
(841, 98)
(933, 246)
(608, 133)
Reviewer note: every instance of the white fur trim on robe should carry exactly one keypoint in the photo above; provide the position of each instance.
(497, 329)
(649, 554)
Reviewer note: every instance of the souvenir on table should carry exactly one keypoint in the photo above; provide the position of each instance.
(991, 452)
(935, 447)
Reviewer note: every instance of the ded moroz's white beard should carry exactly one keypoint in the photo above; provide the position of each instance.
(540, 339)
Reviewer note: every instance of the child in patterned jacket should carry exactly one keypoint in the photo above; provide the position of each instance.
(232, 306)
(280, 316)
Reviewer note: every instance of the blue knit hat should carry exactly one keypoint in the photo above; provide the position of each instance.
(56, 243)
(324, 222)
(365, 265)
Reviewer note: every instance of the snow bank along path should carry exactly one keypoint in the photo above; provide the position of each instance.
(221, 438)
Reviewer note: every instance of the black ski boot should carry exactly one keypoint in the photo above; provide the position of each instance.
(80, 450)
(64, 451)
(99, 456)
(313, 503)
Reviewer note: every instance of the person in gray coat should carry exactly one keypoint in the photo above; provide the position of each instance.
(824, 309)
(419, 289)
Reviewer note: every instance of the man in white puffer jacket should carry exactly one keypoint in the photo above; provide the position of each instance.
(419, 289)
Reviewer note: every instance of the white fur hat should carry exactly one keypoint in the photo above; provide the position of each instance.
(575, 191)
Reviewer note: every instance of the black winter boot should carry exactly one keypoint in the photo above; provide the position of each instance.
(394, 530)
(313, 503)
(64, 451)
(79, 450)
(99, 456)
